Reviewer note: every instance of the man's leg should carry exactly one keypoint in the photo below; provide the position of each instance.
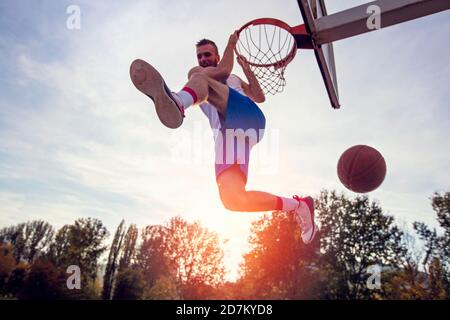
(169, 106)
(148, 80)
(231, 183)
(203, 86)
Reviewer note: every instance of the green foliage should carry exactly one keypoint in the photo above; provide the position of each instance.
(437, 247)
(194, 252)
(30, 239)
(181, 260)
(7, 265)
(278, 261)
(16, 279)
(111, 265)
(43, 282)
(130, 285)
(152, 259)
(164, 289)
(80, 244)
(129, 248)
(437, 281)
(185, 252)
(355, 234)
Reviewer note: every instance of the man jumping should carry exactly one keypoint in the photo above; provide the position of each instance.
(229, 104)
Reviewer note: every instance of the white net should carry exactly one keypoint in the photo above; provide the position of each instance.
(268, 49)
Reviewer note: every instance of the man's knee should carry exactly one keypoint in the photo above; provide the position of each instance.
(233, 199)
(195, 71)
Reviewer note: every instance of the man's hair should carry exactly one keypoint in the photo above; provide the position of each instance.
(207, 41)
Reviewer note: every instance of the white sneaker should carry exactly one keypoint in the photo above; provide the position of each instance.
(305, 218)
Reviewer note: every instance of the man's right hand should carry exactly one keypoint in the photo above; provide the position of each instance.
(233, 39)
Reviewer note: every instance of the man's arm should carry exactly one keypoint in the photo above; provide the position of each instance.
(225, 65)
(252, 89)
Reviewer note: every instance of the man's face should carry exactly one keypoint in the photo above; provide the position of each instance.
(206, 56)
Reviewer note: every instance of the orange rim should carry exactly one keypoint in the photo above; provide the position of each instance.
(278, 23)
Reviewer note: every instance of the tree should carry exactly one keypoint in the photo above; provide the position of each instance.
(164, 289)
(111, 265)
(59, 251)
(279, 265)
(14, 236)
(152, 257)
(405, 283)
(16, 279)
(355, 234)
(437, 280)
(7, 265)
(129, 248)
(437, 247)
(80, 244)
(30, 239)
(130, 285)
(194, 252)
(43, 282)
(186, 253)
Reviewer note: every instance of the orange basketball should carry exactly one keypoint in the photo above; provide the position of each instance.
(361, 169)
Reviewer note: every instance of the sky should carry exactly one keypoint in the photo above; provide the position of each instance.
(78, 140)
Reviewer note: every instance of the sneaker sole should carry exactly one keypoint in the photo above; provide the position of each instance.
(148, 80)
(310, 203)
(312, 236)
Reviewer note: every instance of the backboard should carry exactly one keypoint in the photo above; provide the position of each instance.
(269, 45)
(311, 11)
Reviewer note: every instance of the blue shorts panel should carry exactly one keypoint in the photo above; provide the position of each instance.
(242, 113)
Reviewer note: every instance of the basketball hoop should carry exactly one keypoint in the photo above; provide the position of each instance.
(269, 46)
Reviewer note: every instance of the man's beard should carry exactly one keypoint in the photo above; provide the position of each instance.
(214, 64)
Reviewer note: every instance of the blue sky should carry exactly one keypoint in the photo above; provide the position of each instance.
(77, 139)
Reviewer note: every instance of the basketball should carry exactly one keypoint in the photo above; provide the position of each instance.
(361, 169)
